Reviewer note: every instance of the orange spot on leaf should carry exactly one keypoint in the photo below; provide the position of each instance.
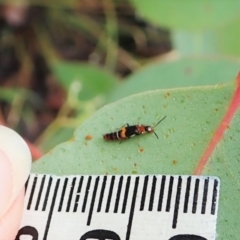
(174, 162)
(141, 149)
(88, 137)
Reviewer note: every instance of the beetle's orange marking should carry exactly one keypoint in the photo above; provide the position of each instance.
(123, 133)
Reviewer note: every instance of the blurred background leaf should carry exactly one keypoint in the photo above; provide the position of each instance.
(184, 72)
(72, 57)
(85, 80)
(198, 27)
(187, 14)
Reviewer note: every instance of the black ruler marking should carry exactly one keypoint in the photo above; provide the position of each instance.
(168, 205)
(93, 200)
(32, 193)
(204, 199)
(144, 193)
(63, 194)
(86, 193)
(118, 194)
(177, 201)
(51, 210)
(40, 192)
(185, 207)
(78, 194)
(151, 201)
(141, 192)
(102, 193)
(47, 194)
(195, 196)
(110, 194)
(26, 184)
(161, 194)
(214, 197)
(129, 226)
(70, 195)
(126, 194)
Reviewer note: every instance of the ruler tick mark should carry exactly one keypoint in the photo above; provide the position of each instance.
(40, 192)
(70, 195)
(118, 194)
(161, 194)
(205, 192)
(126, 194)
(151, 201)
(185, 208)
(102, 193)
(129, 226)
(63, 194)
(47, 194)
(144, 193)
(195, 196)
(26, 184)
(51, 210)
(168, 206)
(32, 193)
(78, 194)
(177, 201)
(214, 197)
(92, 202)
(110, 193)
(86, 194)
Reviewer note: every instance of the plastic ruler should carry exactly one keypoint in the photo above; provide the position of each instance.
(166, 207)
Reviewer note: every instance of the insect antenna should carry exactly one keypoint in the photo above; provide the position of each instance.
(156, 135)
(158, 123)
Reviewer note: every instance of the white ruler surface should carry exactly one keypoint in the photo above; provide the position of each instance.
(120, 207)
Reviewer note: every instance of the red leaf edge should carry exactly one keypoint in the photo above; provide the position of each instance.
(217, 136)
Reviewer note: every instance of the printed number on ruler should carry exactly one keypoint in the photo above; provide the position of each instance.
(120, 207)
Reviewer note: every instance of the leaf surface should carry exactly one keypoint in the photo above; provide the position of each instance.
(199, 135)
(187, 14)
(90, 81)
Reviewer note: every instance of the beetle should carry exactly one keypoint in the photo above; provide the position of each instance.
(128, 131)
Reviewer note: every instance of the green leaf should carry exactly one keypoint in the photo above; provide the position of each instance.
(223, 40)
(181, 73)
(193, 115)
(188, 14)
(225, 163)
(89, 81)
(228, 39)
(197, 27)
(58, 135)
(8, 94)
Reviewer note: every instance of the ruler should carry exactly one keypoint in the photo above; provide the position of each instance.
(120, 207)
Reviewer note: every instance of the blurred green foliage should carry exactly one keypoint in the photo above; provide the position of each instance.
(189, 15)
(84, 80)
(81, 44)
(185, 72)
